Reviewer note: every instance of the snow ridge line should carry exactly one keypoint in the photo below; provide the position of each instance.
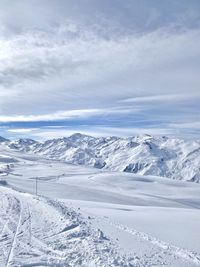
(10, 254)
(8, 217)
(30, 225)
(191, 256)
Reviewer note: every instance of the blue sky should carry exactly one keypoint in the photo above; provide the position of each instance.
(99, 67)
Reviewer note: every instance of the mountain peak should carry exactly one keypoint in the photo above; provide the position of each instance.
(76, 136)
(2, 139)
(80, 135)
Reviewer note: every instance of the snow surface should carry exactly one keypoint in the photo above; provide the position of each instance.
(85, 216)
(145, 155)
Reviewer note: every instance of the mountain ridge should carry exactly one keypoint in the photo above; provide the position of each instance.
(144, 154)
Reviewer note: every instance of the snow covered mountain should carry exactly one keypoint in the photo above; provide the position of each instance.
(145, 155)
(22, 144)
(2, 139)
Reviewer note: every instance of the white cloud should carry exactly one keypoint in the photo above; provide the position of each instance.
(159, 98)
(68, 115)
(186, 125)
(70, 63)
(49, 71)
(60, 115)
(21, 130)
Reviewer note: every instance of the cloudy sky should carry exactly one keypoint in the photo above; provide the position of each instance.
(101, 67)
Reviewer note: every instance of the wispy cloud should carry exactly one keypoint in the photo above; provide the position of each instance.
(160, 98)
(78, 63)
(22, 130)
(69, 115)
(60, 115)
(186, 125)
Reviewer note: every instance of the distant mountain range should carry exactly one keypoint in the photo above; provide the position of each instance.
(145, 154)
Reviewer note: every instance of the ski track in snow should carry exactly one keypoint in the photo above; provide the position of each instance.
(170, 249)
(37, 231)
(42, 232)
(14, 239)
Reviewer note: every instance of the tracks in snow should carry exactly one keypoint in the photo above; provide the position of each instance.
(16, 220)
(11, 221)
(42, 232)
(15, 234)
(171, 250)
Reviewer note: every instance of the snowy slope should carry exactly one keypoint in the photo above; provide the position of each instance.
(91, 217)
(22, 144)
(6, 162)
(145, 155)
(2, 139)
(36, 231)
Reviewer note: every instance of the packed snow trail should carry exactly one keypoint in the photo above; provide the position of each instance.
(40, 232)
(150, 250)
(189, 256)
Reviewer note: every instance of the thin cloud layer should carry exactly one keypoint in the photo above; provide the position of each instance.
(58, 67)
